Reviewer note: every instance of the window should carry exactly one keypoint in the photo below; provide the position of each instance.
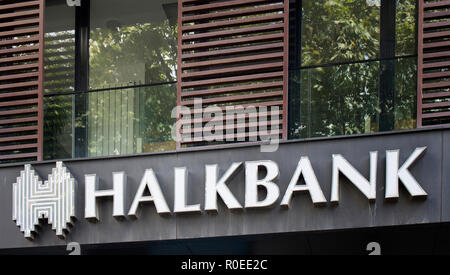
(339, 31)
(132, 42)
(355, 71)
(110, 77)
(59, 78)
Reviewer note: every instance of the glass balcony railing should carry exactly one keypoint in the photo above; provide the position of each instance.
(332, 100)
(116, 122)
(355, 98)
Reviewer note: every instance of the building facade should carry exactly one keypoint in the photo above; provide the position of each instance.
(258, 126)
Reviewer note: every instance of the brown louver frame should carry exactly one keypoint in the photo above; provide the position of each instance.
(233, 52)
(433, 63)
(21, 78)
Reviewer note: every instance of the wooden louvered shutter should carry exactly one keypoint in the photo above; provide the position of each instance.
(233, 52)
(434, 63)
(21, 59)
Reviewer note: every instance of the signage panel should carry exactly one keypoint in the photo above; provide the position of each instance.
(325, 184)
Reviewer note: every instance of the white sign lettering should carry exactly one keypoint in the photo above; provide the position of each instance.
(312, 186)
(92, 193)
(55, 199)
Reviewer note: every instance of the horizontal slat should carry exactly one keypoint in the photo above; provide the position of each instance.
(24, 49)
(436, 115)
(436, 55)
(223, 5)
(19, 5)
(260, 114)
(435, 105)
(19, 58)
(267, 104)
(19, 23)
(436, 15)
(242, 126)
(19, 14)
(18, 129)
(229, 61)
(439, 4)
(18, 147)
(15, 33)
(19, 41)
(18, 156)
(232, 23)
(233, 41)
(436, 95)
(19, 85)
(436, 34)
(232, 13)
(193, 123)
(436, 65)
(18, 102)
(18, 76)
(436, 25)
(19, 67)
(240, 31)
(436, 45)
(234, 89)
(18, 120)
(227, 99)
(240, 69)
(240, 50)
(436, 85)
(18, 138)
(18, 112)
(17, 94)
(235, 79)
(436, 75)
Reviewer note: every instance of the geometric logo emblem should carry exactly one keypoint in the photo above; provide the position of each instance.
(53, 200)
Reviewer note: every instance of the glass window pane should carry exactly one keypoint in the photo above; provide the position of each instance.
(340, 100)
(345, 99)
(58, 127)
(405, 93)
(59, 58)
(132, 42)
(130, 121)
(340, 31)
(406, 32)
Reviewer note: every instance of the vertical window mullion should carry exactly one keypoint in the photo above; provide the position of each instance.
(295, 62)
(81, 79)
(387, 64)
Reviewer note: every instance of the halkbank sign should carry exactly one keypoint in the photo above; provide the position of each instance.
(304, 186)
(54, 199)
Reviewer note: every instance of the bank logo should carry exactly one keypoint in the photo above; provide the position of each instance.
(53, 200)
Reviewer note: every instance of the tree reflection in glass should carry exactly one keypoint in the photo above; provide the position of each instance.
(339, 85)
